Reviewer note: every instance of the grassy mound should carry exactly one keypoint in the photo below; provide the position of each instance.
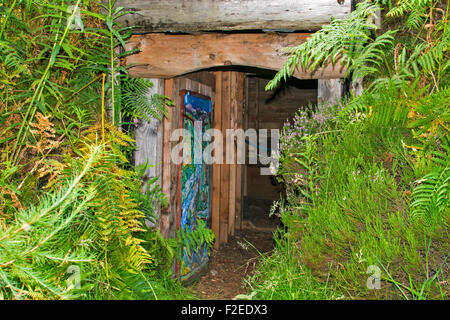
(368, 181)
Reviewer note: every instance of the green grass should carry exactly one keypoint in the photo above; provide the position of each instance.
(358, 216)
(282, 276)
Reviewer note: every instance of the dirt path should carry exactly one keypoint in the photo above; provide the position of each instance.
(230, 265)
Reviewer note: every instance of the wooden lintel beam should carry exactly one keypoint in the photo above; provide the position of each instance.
(166, 56)
(215, 15)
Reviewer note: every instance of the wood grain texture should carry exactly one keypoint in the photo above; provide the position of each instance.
(166, 55)
(225, 168)
(165, 218)
(205, 77)
(232, 181)
(210, 15)
(149, 144)
(246, 125)
(239, 170)
(178, 84)
(215, 224)
(330, 91)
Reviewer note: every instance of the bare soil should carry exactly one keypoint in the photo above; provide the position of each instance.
(236, 260)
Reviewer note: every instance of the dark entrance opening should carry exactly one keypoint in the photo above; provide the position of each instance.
(235, 260)
(270, 110)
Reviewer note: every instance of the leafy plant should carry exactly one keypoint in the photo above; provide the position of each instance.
(430, 197)
(137, 101)
(379, 193)
(349, 41)
(71, 215)
(192, 240)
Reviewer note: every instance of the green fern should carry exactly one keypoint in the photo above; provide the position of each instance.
(431, 114)
(431, 195)
(430, 198)
(38, 232)
(348, 41)
(193, 240)
(417, 11)
(46, 225)
(137, 101)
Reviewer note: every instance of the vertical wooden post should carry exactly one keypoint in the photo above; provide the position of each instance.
(233, 167)
(180, 166)
(215, 219)
(240, 172)
(246, 121)
(225, 168)
(166, 166)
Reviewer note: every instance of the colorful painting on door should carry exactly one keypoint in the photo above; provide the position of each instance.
(195, 176)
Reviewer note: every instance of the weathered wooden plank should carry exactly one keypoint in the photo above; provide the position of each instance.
(149, 143)
(165, 218)
(178, 84)
(257, 105)
(215, 222)
(209, 15)
(330, 91)
(239, 125)
(233, 168)
(204, 77)
(166, 55)
(251, 104)
(247, 125)
(225, 168)
(192, 85)
(185, 84)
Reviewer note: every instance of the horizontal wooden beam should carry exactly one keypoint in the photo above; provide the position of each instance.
(215, 15)
(166, 56)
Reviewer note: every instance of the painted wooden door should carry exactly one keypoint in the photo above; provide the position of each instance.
(194, 177)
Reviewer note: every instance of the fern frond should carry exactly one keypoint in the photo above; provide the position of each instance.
(138, 101)
(430, 197)
(342, 40)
